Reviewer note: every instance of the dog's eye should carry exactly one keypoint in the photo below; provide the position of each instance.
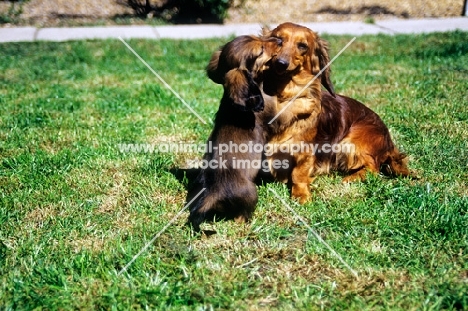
(302, 46)
(279, 41)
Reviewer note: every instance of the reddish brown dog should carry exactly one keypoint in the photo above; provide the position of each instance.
(356, 139)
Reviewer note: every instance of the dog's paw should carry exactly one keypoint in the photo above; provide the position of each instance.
(240, 219)
(357, 176)
(301, 192)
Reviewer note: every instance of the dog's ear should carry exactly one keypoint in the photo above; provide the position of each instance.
(213, 68)
(265, 32)
(243, 91)
(324, 59)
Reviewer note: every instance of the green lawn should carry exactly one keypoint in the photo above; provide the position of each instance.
(74, 210)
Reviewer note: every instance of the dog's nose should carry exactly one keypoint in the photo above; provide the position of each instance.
(281, 65)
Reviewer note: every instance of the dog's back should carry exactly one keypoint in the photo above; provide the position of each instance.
(362, 136)
(230, 191)
(237, 144)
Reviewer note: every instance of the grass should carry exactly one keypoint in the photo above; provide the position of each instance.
(74, 210)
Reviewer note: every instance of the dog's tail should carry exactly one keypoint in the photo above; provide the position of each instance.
(397, 165)
(236, 203)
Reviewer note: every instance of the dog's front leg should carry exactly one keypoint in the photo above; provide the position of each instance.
(300, 178)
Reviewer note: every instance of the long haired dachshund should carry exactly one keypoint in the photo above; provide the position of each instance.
(355, 137)
(230, 191)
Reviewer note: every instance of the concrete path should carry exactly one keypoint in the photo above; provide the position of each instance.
(396, 26)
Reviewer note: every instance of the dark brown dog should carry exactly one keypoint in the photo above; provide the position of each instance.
(230, 191)
(357, 140)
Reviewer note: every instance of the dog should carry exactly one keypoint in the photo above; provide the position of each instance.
(361, 141)
(230, 191)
